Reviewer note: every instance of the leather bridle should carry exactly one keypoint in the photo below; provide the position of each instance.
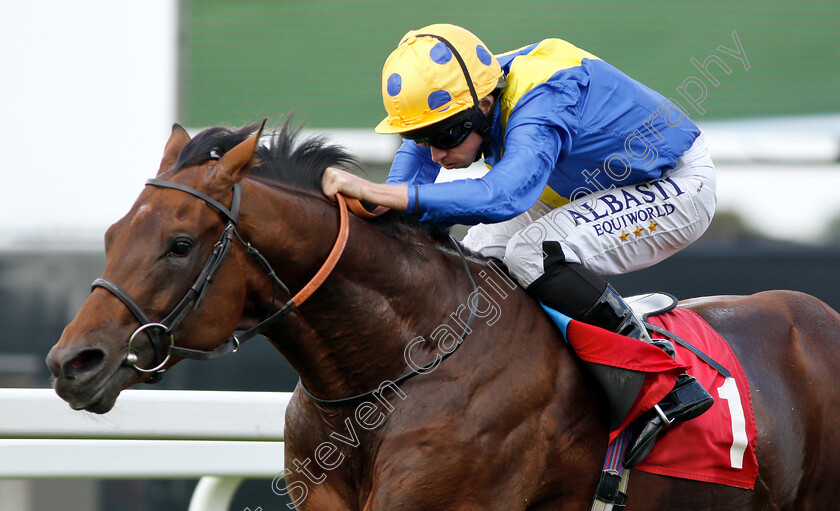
(161, 333)
(194, 296)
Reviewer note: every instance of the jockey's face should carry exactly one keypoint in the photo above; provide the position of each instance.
(467, 152)
(461, 156)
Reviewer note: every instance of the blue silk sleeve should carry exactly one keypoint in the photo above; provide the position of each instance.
(510, 188)
(413, 165)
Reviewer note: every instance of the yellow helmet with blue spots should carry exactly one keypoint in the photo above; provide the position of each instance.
(435, 73)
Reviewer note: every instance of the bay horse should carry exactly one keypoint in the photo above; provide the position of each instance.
(507, 422)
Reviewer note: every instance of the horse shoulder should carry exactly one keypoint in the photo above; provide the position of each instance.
(511, 397)
(310, 485)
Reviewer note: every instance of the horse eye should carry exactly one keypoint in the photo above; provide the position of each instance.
(180, 248)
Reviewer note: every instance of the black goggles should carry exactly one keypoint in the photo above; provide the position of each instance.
(448, 133)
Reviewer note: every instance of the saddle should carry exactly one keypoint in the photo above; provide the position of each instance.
(717, 447)
(651, 304)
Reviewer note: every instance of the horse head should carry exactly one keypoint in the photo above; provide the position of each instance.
(157, 255)
(251, 219)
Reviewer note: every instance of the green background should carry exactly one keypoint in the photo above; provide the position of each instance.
(322, 59)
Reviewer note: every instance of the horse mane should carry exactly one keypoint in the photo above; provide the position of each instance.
(285, 158)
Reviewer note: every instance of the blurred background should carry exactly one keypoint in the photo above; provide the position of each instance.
(90, 90)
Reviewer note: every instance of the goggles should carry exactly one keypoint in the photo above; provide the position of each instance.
(448, 133)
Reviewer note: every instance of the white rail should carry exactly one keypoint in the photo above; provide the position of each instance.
(220, 437)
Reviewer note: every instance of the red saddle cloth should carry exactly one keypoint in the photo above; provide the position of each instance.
(718, 446)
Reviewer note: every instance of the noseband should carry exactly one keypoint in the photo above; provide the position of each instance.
(161, 333)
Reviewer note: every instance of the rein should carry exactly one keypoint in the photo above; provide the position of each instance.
(415, 372)
(194, 296)
(196, 293)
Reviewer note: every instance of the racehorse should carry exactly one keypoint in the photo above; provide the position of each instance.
(507, 422)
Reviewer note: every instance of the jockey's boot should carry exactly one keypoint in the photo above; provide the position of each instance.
(687, 400)
(621, 386)
(580, 293)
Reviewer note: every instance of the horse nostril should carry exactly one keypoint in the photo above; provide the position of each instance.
(84, 361)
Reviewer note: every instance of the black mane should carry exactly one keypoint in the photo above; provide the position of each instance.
(285, 159)
(290, 159)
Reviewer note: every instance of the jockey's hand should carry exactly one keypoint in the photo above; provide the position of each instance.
(335, 181)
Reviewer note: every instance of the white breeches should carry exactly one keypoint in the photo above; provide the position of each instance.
(612, 231)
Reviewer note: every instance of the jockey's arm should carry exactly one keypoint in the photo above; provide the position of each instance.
(394, 196)
(412, 164)
(510, 188)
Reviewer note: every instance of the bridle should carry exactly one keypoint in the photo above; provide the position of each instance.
(156, 330)
(161, 333)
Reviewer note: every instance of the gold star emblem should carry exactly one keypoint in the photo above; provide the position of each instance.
(638, 232)
(653, 226)
(623, 236)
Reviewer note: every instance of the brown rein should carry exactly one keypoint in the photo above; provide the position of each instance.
(222, 247)
(356, 207)
(344, 203)
(194, 296)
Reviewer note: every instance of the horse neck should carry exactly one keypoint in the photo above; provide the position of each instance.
(350, 335)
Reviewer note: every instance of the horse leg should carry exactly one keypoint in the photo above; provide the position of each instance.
(310, 489)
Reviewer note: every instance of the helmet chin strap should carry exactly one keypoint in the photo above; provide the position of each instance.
(484, 149)
(481, 122)
(484, 129)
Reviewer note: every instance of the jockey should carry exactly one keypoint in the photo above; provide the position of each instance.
(591, 173)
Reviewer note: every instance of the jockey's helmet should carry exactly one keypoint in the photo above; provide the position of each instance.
(435, 73)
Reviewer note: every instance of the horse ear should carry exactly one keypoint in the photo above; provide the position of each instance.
(177, 140)
(233, 165)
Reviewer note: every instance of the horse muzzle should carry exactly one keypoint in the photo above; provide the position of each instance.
(88, 377)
